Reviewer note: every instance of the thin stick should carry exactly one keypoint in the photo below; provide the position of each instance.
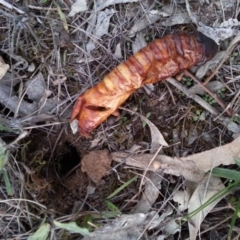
(10, 6)
(214, 96)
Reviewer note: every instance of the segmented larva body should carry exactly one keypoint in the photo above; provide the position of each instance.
(157, 61)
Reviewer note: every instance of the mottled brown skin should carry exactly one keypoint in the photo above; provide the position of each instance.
(157, 61)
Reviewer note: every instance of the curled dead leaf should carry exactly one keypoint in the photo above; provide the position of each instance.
(3, 67)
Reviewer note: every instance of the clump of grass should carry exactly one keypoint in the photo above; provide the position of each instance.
(209, 99)
(187, 81)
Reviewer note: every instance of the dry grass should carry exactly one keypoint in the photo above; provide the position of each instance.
(37, 42)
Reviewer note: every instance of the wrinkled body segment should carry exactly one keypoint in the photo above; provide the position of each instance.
(157, 61)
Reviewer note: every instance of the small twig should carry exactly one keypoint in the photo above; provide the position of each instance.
(10, 6)
(8, 14)
(46, 8)
(209, 78)
(190, 13)
(194, 97)
(214, 96)
(147, 168)
(20, 137)
(171, 93)
(236, 101)
(43, 125)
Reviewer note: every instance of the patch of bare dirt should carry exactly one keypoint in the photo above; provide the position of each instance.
(55, 172)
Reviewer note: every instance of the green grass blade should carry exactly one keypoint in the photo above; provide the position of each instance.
(71, 227)
(3, 155)
(221, 194)
(226, 173)
(5, 129)
(234, 218)
(122, 187)
(62, 16)
(41, 233)
(237, 161)
(7, 183)
(112, 207)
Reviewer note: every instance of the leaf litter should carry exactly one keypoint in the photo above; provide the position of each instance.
(194, 167)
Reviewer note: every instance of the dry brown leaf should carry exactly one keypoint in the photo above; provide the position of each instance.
(173, 16)
(131, 226)
(101, 4)
(157, 138)
(151, 193)
(182, 198)
(210, 65)
(192, 168)
(206, 189)
(100, 28)
(213, 86)
(36, 87)
(231, 22)
(3, 67)
(103, 21)
(118, 51)
(60, 80)
(78, 6)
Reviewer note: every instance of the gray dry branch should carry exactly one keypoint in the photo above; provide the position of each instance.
(192, 168)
